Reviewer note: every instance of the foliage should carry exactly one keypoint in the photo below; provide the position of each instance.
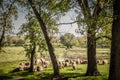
(68, 40)
(33, 34)
(8, 11)
(82, 42)
(103, 43)
(14, 41)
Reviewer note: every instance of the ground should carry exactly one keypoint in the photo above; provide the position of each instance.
(12, 56)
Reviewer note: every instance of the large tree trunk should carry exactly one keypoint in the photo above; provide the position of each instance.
(91, 39)
(2, 36)
(32, 58)
(114, 73)
(56, 74)
(91, 53)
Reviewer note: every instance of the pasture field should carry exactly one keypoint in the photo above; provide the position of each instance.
(10, 57)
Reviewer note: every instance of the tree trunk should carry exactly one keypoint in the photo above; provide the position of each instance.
(56, 74)
(32, 58)
(91, 53)
(91, 39)
(2, 36)
(114, 73)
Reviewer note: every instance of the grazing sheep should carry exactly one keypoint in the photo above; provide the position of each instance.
(61, 64)
(71, 61)
(45, 64)
(84, 62)
(27, 66)
(42, 60)
(104, 62)
(18, 68)
(67, 60)
(67, 64)
(39, 68)
(35, 69)
(77, 61)
(98, 61)
(74, 65)
(21, 68)
(37, 61)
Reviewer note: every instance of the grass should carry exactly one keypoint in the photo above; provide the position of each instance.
(12, 56)
(65, 72)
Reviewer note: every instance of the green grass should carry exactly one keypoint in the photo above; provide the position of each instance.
(67, 72)
(12, 56)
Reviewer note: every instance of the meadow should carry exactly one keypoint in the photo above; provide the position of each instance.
(10, 57)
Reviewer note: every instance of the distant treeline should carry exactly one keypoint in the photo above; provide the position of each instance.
(20, 41)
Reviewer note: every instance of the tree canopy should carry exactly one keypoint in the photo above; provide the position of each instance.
(68, 40)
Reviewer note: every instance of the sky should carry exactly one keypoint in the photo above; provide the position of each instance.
(69, 17)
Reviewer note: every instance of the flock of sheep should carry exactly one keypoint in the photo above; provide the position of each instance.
(74, 62)
(39, 65)
(42, 63)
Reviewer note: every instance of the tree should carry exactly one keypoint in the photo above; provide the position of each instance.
(114, 73)
(7, 11)
(49, 45)
(103, 43)
(68, 40)
(44, 12)
(34, 38)
(91, 12)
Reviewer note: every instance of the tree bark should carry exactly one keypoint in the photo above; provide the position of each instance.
(91, 53)
(91, 38)
(32, 58)
(114, 72)
(56, 74)
(3, 35)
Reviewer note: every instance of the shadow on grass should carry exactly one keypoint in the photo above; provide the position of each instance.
(47, 76)
(5, 77)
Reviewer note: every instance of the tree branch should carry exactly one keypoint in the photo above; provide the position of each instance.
(84, 6)
(67, 23)
(97, 9)
(107, 37)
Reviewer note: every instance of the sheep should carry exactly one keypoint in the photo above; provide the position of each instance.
(37, 61)
(97, 61)
(104, 62)
(84, 62)
(67, 64)
(45, 64)
(21, 67)
(39, 68)
(67, 60)
(42, 60)
(77, 61)
(27, 66)
(74, 65)
(61, 64)
(18, 68)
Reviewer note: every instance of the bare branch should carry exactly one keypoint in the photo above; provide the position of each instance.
(69, 23)
(109, 38)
